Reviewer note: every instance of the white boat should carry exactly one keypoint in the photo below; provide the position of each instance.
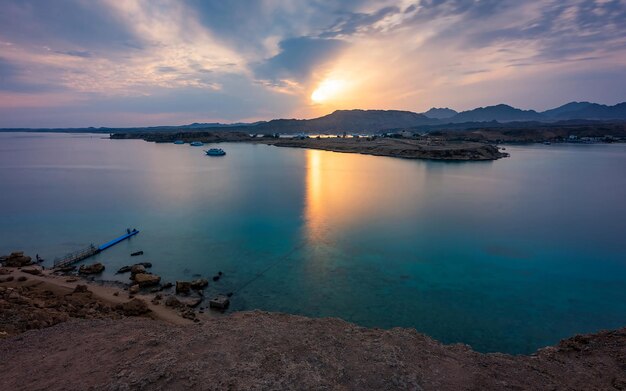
(196, 143)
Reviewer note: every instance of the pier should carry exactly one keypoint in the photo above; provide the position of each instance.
(113, 242)
(89, 251)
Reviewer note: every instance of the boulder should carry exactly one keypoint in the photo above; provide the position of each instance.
(145, 279)
(147, 265)
(17, 259)
(220, 302)
(65, 269)
(32, 270)
(172, 301)
(4, 271)
(183, 286)
(137, 269)
(91, 269)
(190, 302)
(123, 269)
(199, 283)
(189, 314)
(135, 307)
(134, 289)
(167, 285)
(81, 288)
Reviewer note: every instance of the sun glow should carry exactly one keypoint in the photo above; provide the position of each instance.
(328, 90)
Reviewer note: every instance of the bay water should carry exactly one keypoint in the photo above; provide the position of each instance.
(509, 255)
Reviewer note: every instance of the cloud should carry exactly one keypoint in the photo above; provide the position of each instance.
(298, 58)
(252, 58)
(76, 53)
(80, 23)
(14, 78)
(353, 23)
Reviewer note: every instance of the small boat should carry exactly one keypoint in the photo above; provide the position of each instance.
(179, 142)
(215, 152)
(547, 143)
(136, 253)
(196, 143)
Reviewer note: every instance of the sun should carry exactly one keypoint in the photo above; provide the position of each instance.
(327, 90)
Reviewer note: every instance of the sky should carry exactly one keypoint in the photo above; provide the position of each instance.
(78, 63)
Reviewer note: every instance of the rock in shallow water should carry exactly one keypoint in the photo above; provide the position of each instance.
(220, 302)
(137, 269)
(91, 269)
(183, 286)
(199, 283)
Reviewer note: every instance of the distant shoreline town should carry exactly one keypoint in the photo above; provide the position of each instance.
(438, 134)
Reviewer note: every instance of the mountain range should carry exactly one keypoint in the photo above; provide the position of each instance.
(371, 121)
(379, 120)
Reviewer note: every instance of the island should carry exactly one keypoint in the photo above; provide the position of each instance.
(431, 148)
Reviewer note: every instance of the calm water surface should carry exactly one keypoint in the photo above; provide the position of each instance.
(508, 256)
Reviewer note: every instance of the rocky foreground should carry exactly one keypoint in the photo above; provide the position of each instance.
(269, 351)
(62, 333)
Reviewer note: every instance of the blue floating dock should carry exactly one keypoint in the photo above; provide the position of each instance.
(116, 241)
(92, 250)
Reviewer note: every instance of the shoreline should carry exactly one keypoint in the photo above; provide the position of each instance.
(400, 148)
(245, 349)
(32, 297)
(425, 148)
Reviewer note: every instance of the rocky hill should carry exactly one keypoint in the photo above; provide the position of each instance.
(440, 113)
(500, 113)
(347, 121)
(379, 121)
(271, 351)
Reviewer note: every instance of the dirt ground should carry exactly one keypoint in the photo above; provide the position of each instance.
(61, 334)
(269, 351)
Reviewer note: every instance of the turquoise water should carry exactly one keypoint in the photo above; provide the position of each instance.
(508, 256)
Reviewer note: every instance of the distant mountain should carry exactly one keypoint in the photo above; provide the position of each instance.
(347, 121)
(440, 113)
(500, 113)
(372, 121)
(196, 125)
(566, 109)
(587, 110)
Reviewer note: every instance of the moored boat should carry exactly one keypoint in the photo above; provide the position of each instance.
(215, 152)
(196, 143)
(179, 142)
